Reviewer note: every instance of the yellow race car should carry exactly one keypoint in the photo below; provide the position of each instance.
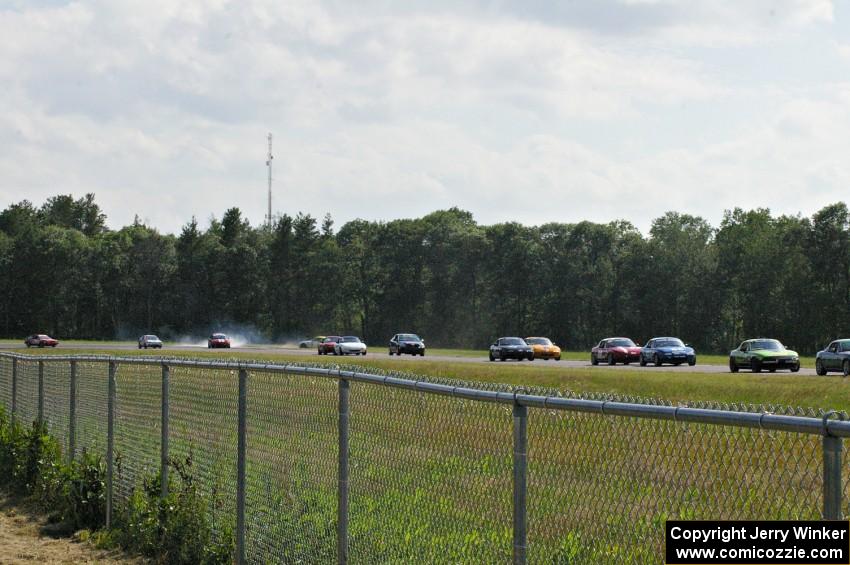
(544, 348)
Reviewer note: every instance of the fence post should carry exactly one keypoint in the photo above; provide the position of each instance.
(110, 440)
(40, 392)
(240, 466)
(342, 502)
(72, 413)
(14, 390)
(520, 484)
(163, 441)
(832, 447)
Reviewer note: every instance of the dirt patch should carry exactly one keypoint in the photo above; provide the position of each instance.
(25, 538)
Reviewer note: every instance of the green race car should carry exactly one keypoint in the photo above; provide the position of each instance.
(758, 354)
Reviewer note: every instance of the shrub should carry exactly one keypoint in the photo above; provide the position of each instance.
(31, 464)
(12, 449)
(30, 460)
(174, 529)
(44, 472)
(83, 501)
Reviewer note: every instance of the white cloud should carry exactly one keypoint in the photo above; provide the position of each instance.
(843, 49)
(712, 23)
(162, 109)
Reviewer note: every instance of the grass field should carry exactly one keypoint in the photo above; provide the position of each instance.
(767, 388)
(431, 476)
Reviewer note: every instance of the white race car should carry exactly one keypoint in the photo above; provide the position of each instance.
(311, 343)
(350, 344)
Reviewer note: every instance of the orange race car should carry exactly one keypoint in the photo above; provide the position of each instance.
(544, 348)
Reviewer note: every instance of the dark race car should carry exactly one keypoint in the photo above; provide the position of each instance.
(511, 348)
(218, 340)
(660, 350)
(407, 343)
(836, 357)
(613, 350)
(41, 340)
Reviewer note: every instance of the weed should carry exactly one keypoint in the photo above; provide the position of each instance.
(174, 529)
(31, 464)
(84, 493)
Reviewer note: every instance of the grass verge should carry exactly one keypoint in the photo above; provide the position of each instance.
(830, 392)
(719, 359)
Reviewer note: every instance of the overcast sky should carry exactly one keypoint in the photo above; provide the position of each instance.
(530, 111)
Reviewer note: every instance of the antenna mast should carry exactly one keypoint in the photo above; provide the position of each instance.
(269, 165)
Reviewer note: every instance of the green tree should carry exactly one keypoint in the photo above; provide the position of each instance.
(19, 218)
(678, 279)
(82, 214)
(829, 255)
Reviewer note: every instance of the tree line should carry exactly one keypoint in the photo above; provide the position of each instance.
(444, 276)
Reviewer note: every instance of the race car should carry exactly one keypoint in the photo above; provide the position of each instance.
(349, 345)
(615, 350)
(41, 340)
(308, 343)
(835, 357)
(763, 353)
(147, 341)
(218, 340)
(660, 350)
(328, 345)
(407, 343)
(511, 348)
(543, 348)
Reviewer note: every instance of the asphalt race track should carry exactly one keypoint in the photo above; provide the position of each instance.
(381, 353)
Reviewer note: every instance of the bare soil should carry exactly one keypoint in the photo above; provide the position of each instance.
(26, 538)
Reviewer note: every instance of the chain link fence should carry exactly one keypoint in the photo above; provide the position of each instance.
(315, 465)
(91, 387)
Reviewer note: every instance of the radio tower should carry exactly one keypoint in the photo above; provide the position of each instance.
(269, 165)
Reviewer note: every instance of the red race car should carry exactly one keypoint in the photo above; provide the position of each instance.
(615, 350)
(41, 340)
(218, 340)
(328, 345)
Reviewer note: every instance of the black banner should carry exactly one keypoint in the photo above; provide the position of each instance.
(763, 542)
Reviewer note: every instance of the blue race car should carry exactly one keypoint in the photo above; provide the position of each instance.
(659, 350)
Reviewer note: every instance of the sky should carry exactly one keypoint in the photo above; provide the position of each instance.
(531, 111)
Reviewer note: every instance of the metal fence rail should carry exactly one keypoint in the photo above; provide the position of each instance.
(314, 464)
